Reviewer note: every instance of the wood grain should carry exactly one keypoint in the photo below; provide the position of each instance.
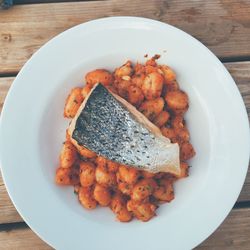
(8, 213)
(232, 234)
(21, 238)
(240, 72)
(222, 25)
(5, 83)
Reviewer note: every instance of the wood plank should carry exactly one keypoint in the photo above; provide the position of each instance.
(5, 83)
(8, 213)
(232, 234)
(240, 72)
(21, 238)
(222, 25)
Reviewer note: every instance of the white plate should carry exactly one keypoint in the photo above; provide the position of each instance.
(32, 130)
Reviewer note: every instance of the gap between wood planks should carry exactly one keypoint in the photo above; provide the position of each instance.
(234, 59)
(242, 204)
(12, 226)
(47, 1)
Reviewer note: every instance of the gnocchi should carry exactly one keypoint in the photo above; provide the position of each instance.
(86, 198)
(130, 193)
(73, 102)
(87, 174)
(68, 155)
(99, 75)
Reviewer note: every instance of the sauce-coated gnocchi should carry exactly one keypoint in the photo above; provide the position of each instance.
(129, 192)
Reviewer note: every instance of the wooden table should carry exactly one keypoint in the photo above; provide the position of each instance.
(223, 26)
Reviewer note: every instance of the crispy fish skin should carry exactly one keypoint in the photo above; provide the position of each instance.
(113, 128)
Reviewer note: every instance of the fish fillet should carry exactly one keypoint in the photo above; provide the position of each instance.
(108, 125)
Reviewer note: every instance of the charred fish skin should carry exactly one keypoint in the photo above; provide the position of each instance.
(106, 127)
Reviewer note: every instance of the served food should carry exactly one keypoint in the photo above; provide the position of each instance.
(114, 129)
(127, 142)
